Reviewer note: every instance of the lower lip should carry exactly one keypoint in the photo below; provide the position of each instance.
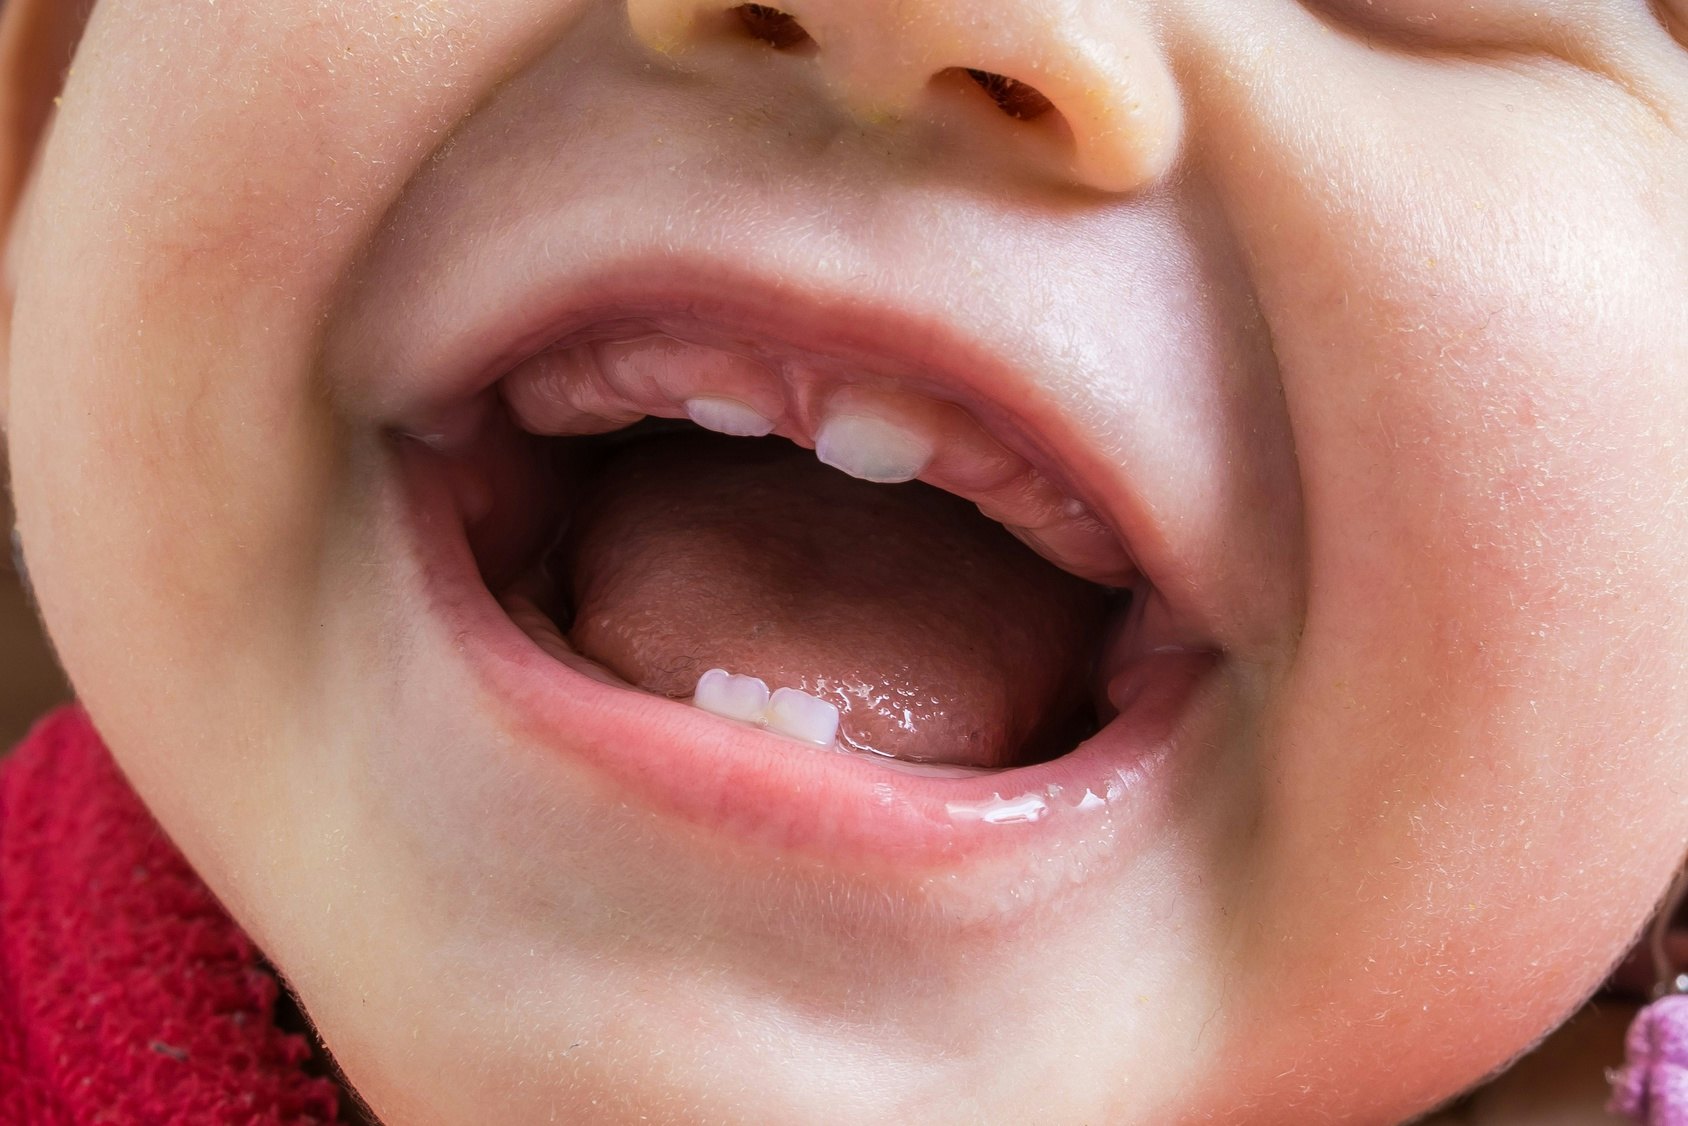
(780, 794)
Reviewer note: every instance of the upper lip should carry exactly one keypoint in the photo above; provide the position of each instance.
(418, 381)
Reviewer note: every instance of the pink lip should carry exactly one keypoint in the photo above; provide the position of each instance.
(778, 794)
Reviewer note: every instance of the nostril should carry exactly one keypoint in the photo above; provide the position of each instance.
(776, 28)
(1017, 99)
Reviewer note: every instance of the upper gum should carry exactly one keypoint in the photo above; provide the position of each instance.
(795, 393)
(567, 390)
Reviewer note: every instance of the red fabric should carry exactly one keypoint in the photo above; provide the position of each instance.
(127, 995)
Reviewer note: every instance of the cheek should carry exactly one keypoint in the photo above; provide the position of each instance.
(1483, 716)
(1466, 291)
(1491, 459)
(1487, 22)
(1484, 384)
(176, 458)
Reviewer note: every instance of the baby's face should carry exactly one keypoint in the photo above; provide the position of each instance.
(1320, 752)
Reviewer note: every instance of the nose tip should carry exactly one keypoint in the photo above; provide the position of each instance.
(1091, 73)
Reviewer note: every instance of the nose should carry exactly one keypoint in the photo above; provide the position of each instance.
(1087, 71)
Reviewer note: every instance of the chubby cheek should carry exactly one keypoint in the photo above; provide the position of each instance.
(175, 456)
(1487, 433)
(1483, 706)
(1477, 728)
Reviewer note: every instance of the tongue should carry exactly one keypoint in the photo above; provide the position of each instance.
(939, 637)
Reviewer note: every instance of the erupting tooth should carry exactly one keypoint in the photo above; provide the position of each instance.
(803, 716)
(736, 697)
(873, 449)
(728, 416)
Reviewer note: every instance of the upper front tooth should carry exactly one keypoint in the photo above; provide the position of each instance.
(733, 696)
(802, 716)
(728, 416)
(874, 449)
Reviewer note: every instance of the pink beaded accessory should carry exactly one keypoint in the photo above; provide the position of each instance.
(1652, 1086)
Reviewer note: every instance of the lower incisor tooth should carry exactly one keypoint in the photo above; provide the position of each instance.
(873, 449)
(735, 697)
(728, 416)
(802, 716)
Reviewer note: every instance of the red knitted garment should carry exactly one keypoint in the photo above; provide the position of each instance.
(127, 994)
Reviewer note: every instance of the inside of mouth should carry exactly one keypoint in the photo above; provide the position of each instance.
(663, 555)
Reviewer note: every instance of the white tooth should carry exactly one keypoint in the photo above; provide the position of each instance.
(728, 416)
(736, 697)
(872, 448)
(803, 716)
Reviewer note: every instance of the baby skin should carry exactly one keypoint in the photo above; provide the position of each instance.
(1069, 561)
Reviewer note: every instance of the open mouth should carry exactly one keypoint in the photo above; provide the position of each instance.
(744, 575)
(786, 553)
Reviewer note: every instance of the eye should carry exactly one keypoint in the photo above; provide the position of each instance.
(1511, 24)
(1424, 14)
(1577, 32)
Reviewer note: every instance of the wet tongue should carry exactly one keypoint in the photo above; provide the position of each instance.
(937, 635)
